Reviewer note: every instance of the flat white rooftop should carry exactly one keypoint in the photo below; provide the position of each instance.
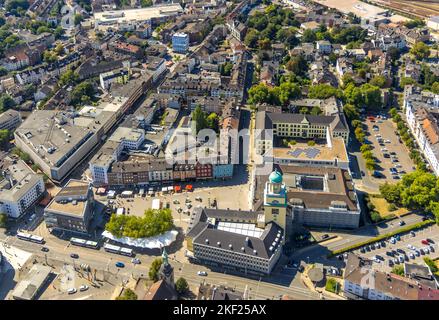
(121, 16)
(360, 9)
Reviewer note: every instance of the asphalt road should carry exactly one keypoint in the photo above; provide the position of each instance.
(271, 287)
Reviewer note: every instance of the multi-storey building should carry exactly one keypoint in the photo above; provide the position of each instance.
(72, 209)
(20, 189)
(180, 42)
(363, 282)
(9, 120)
(291, 125)
(250, 242)
(422, 113)
(116, 76)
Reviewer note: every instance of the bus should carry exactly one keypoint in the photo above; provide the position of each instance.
(30, 237)
(84, 243)
(118, 250)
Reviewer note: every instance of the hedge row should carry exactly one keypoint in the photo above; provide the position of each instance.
(382, 237)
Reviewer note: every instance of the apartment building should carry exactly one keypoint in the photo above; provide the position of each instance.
(9, 120)
(20, 189)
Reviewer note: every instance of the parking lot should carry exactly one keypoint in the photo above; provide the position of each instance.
(401, 248)
(390, 151)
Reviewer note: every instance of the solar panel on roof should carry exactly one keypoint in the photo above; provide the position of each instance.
(296, 152)
(312, 152)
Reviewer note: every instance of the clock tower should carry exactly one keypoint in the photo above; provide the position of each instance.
(275, 200)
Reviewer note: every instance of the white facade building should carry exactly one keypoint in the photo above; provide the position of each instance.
(19, 189)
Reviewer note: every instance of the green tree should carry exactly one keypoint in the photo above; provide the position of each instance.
(406, 81)
(316, 111)
(398, 270)
(303, 110)
(181, 286)
(393, 53)
(420, 50)
(309, 36)
(251, 38)
(258, 94)
(226, 68)
(199, 117)
(49, 56)
(332, 285)
(4, 137)
(390, 192)
(264, 44)
(3, 220)
(288, 91)
(371, 96)
(212, 122)
(68, 78)
(321, 91)
(146, 3)
(154, 269)
(153, 223)
(350, 111)
(128, 294)
(435, 87)
(378, 81)
(431, 264)
(6, 102)
(78, 18)
(82, 93)
(297, 65)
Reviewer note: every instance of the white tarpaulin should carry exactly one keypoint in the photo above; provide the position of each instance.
(156, 242)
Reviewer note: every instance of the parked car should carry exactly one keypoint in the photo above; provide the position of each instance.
(84, 287)
(402, 222)
(429, 240)
(412, 233)
(71, 291)
(400, 251)
(135, 260)
(431, 248)
(426, 250)
(389, 253)
(325, 236)
(425, 241)
(120, 265)
(390, 263)
(411, 255)
(202, 273)
(74, 256)
(362, 250)
(396, 261)
(401, 259)
(45, 249)
(417, 253)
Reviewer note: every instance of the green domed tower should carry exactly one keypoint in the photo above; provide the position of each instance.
(275, 200)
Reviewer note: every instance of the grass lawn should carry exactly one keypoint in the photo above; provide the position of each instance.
(332, 285)
(382, 207)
